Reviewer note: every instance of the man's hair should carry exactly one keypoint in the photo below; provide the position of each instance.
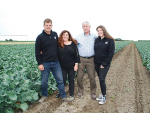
(47, 20)
(85, 23)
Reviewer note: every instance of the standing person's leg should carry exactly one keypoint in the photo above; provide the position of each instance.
(80, 75)
(90, 67)
(64, 72)
(71, 75)
(44, 80)
(102, 76)
(45, 76)
(57, 73)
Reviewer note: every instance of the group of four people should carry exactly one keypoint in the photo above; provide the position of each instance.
(64, 55)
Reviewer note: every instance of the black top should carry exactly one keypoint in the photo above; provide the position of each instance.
(104, 51)
(47, 43)
(68, 56)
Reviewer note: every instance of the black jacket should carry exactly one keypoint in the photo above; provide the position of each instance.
(68, 56)
(47, 43)
(104, 51)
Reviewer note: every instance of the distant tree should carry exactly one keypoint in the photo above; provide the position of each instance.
(6, 40)
(118, 39)
(10, 40)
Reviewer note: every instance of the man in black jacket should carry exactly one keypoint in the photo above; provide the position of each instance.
(48, 60)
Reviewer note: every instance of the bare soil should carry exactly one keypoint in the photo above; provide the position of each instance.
(128, 89)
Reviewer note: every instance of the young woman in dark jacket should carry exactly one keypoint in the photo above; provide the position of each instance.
(69, 58)
(104, 50)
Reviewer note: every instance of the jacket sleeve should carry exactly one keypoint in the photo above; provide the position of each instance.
(77, 57)
(111, 50)
(37, 51)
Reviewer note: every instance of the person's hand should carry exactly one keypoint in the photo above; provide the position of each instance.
(41, 67)
(76, 67)
(40, 52)
(101, 66)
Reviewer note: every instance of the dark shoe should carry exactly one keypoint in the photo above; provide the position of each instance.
(80, 94)
(93, 96)
(57, 95)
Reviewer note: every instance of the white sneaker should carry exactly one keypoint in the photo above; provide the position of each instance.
(103, 100)
(100, 97)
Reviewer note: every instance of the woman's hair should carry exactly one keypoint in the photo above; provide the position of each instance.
(61, 41)
(106, 34)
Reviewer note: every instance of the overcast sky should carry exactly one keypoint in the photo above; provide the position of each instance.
(126, 19)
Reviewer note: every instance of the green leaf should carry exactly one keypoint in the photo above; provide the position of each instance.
(13, 97)
(29, 98)
(35, 96)
(8, 110)
(5, 83)
(24, 106)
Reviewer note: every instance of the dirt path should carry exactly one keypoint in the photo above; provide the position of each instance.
(128, 89)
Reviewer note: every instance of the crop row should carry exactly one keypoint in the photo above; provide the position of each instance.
(120, 45)
(144, 50)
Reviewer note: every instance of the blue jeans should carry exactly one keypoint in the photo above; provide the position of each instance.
(57, 73)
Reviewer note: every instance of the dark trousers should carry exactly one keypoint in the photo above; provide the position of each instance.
(71, 75)
(102, 72)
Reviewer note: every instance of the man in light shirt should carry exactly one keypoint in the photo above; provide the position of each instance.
(86, 51)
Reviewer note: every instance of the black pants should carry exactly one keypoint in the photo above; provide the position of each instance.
(71, 75)
(102, 72)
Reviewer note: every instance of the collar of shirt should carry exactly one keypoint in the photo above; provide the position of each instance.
(46, 33)
(88, 34)
(101, 39)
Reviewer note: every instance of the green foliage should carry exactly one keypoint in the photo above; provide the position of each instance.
(144, 50)
(120, 45)
(113, 97)
(24, 106)
(20, 78)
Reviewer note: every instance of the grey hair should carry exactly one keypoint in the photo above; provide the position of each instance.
(85, 23)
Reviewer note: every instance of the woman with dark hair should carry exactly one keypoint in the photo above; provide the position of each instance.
(69, 58)
(104, 50)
